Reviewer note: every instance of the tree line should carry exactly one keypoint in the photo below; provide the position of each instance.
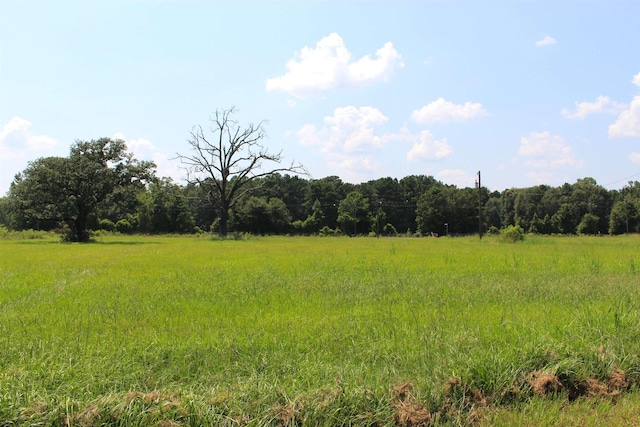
(290, 204)
(235, 184)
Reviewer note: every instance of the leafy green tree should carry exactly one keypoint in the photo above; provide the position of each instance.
(588, 224)
(589, 197)
(313, 223)
(228, 161)
(261, 216)
(329, 191)
(165, 209)
(433, 211)
(492, 216)
(70, 189)
(507, 207)
(565, 220)
(413, 186)
(623, 217)
(353, 213)
(6, 212)
(292, 190)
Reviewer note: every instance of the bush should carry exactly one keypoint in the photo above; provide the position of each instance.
(106, 225)
(328, 231)
(493, 231)
(124, 226)
(512, 234)
(389, 230)
(589, 224)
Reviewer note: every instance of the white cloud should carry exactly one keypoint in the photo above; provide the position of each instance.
(544, 150)
(139, 147)
(18, 145)
(17, 140)
(546, 41)
(603, 104)
(351, 136)
(628, 122)
(542, 177)
(355, 168)
(427, 148)
(330, 65)
(444, 111)
(634, 157)
(457, 177)
(636, 79)
(143, 149)
(350, 129)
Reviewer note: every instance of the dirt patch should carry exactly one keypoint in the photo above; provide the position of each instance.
(409, 412)
(463, 401)
(286, 415)
(618, 380)
(457, 389)
(544, 383)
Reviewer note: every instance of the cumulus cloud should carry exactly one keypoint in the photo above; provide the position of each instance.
(457, 177)
(17, 140)
(143, 149)
(603, 104)
(546, 41)
(544, 150)
(628, 122)
(542, 177)
(349, 129)
(351, 137)
(346, 138)
(444, 111)
(19, 145)
(425, 147)
(139, 147)
(355, 168)
(330, 65)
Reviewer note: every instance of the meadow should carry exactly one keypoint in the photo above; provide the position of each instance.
(172, 331)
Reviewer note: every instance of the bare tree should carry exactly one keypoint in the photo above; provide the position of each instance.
(225, 163)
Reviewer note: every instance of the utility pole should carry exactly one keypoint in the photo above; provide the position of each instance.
(479, 206)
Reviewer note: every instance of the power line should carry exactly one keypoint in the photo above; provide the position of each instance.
(620, 180)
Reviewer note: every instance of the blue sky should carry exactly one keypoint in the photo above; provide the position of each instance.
(527, 92)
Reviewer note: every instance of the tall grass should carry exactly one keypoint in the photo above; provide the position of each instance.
(151, 330)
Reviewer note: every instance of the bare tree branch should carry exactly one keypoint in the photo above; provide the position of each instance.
(234, 160)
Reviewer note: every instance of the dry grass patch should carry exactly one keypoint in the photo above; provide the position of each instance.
(544, 383)
(409, 412)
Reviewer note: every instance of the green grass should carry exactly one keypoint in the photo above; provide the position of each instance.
(318, 331)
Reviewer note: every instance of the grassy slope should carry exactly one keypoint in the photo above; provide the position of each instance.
(135, 330)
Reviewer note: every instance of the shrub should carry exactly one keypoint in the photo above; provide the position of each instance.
(124, 226)
(106, 225)
(512, 234)
(326, 231)
(389, 230)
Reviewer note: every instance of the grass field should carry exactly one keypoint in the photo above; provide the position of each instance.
(170, 331)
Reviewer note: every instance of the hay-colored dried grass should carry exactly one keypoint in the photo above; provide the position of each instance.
(618, 380)
(544, 383)
(408, 411)
(287, 414)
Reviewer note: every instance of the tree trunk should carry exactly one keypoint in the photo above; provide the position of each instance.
(224, 219)
(80, 228)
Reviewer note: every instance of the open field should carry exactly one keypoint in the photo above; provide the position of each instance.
(170, 331)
